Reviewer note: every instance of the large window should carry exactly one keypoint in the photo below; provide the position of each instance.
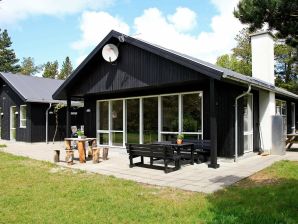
(150, 119)
(23, 116)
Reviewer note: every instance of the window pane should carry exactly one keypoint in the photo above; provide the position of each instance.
(248, 116)
(117, 138)
(117, 115)
(169, 137)
(133, 120)
(192, 137)
(23, 112)
(103, 138)
(170, 113)
(104, 115)
(192, 113)
(248, 142)
(150, 117)
(23, 123)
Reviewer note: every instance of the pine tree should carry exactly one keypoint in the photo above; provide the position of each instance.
(280, 15)
(286, 66)
(51, 70)
(66, 69)
(28, 66)
(8, 59)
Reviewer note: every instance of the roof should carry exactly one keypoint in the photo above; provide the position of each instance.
(31, 88)
(208, 69)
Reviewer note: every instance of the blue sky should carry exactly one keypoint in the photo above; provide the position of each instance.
(53, 29)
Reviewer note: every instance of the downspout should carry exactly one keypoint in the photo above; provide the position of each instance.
(236, 120)
(47, 122)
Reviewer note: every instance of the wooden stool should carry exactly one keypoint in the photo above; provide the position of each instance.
(105, 152)
(95, 154)
(56, 155)
(90, 152)
(69, 157)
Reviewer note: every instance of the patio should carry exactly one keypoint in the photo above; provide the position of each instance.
(196, 177)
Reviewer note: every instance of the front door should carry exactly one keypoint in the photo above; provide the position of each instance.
(248, 123)
(13, 122)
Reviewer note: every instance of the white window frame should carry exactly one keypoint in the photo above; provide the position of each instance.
(160, 132)
(21, 116)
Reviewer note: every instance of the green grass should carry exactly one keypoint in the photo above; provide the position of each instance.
(39, 192)
(3, 145)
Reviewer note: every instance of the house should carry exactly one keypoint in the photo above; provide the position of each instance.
(138, 92)
(27, 109)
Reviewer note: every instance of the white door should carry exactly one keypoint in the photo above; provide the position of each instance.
(248, 123)
(13, 122)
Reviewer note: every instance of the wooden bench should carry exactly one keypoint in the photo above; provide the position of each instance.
(154, 152)
(202, 149)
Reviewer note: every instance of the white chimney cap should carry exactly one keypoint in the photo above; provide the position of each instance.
(262, 33)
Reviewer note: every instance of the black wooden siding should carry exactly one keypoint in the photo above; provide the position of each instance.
(9, 98)
(134, 69)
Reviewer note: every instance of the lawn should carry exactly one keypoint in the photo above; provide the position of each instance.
(39, 192)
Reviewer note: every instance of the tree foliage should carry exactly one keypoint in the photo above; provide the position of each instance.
(280, 15)
(28, 66)
(51, 70)
(66, 69)
(8, 59)
(240, 59)
(286, 67)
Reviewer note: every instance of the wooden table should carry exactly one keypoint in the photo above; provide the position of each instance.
(180, 148)
(81, 146)
(291, 139)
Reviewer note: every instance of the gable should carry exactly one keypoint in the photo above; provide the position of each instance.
(135, 68)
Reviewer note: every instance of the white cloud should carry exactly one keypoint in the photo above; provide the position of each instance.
(12, 11)
(183, 19)
(154, 27)
(175, 31)
(95, 26)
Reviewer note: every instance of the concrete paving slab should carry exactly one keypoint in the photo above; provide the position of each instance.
(196, 177)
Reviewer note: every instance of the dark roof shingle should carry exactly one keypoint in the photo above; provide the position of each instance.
(32, 88)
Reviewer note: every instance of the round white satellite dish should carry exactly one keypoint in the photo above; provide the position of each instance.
(110, 52)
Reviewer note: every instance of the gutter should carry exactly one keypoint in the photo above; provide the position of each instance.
(236, 120)
(47, 123)
(272, 89)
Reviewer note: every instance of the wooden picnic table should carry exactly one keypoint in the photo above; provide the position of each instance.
(180, 148)
(291, 139)
(81, 146)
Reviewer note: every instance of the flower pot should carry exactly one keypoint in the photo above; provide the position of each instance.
(179, 141)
